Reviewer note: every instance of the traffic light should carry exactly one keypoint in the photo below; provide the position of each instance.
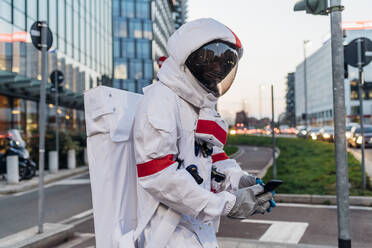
(314, 7)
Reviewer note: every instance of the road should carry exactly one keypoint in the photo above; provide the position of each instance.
(287, 223)
(62, 200)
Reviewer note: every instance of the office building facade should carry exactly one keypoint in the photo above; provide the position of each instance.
(141, 29)
(319, 83)
(82, 38)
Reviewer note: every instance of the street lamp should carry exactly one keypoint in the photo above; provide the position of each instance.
(305, 81)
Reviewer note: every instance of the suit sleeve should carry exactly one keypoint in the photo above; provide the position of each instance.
(155, 143)
(230, 168)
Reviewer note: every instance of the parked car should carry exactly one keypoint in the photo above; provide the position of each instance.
(356, 139)
(348, 129)
(302, 133)
(313, 133)
(327, 134)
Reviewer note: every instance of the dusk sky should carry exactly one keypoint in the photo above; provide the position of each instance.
(272, 36)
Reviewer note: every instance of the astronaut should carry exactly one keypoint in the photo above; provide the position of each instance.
(179, 139)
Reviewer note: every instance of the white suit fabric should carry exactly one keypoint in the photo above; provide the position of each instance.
(164, 131)
(109, 115)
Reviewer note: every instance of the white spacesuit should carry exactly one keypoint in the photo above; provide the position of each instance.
(176, 126)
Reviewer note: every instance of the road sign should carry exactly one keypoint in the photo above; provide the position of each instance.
(351, 52)
(36, 35)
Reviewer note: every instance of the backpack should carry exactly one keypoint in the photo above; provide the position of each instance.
(109, 116)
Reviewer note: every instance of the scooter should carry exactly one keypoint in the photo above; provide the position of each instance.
(15, 145)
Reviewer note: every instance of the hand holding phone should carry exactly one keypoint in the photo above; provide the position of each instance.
(272, 185)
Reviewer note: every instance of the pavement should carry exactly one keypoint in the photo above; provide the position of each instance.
(289, 225)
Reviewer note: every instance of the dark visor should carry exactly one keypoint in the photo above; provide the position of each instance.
(211, 63)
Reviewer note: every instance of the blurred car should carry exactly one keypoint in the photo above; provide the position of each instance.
(314, 133)
(326, 134)
(348, 129)
(302, 133)
(356, 139)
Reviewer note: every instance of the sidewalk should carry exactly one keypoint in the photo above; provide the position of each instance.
(367, 162)
(25, 185)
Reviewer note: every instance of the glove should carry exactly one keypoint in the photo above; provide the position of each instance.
(272, 201)
(247, 181)
(250, 201)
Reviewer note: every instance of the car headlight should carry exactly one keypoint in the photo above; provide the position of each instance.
(303, 132)
(232, 132)
(348, 135)
(313, 136)
(359, 140)
(326, 135)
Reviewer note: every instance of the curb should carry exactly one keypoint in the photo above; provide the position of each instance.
(50, 178)
(248, 243)
(368, 166)
(53, 234)
(364, 201)
(236, 154)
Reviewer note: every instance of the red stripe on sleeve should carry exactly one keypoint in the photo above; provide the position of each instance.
(154, 166)
(211, 127)
(219, 157)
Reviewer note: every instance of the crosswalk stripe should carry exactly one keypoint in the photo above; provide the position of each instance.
(282, 231)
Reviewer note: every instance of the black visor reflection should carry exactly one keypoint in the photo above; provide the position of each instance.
(211, 63)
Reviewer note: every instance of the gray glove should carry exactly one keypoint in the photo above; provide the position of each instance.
(247, 181)
(250, 201)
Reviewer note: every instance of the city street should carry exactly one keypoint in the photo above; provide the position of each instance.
(291, 223)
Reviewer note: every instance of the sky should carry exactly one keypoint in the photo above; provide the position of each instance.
(272, 35)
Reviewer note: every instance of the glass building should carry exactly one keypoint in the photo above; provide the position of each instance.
(141, 29)
(82, 50)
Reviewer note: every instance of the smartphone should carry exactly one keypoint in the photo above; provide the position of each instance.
(272, 185)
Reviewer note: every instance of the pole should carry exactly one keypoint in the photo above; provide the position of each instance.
(260, 101)
(342, 176)
(57, 116)
(305, 82)
(44, 76)
(272, 130)
(361, 112)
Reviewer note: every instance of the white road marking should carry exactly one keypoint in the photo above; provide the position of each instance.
(282, 231)
(83, 214)
(73, 182)
(78, 216)
(299, 205)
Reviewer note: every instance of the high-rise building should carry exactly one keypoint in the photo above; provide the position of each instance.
(141, 29)
(81, 49)
(319, 82)
(290, 113)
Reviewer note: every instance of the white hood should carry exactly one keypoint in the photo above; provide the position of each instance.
(188, 38)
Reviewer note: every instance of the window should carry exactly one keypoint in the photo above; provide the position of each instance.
(69, 24)
(120, 28)
(128, 48)
(19, 19)
(143, 49)
(127, 8)
(117, 84)
(135, 29)
(116, 48)
(116, 8)
(61, 20)
(52, 16)
(148, 69)
(135, 69)
(6, 11)
(42, 10)
(129, 85)
(142, 10)
(147, 30)
(20, 5)
(120, 69)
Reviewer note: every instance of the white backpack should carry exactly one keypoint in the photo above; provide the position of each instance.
(109, 115)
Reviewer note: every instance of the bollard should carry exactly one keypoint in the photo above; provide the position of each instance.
(53, 161)
(85, 156)
(12, 169)
(71, 159)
